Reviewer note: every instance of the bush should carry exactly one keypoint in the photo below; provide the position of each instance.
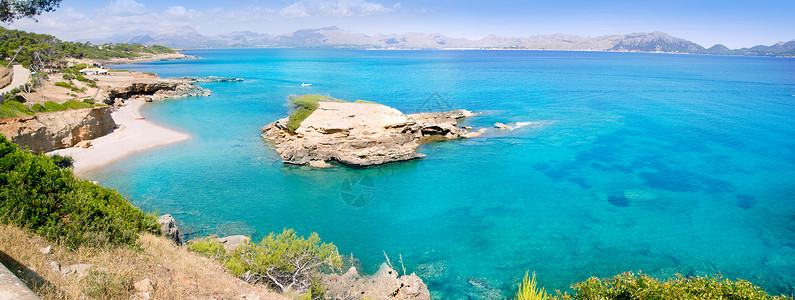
(528, 290)
(284, 261)
(38, 108)
(89, 101)
(17, 106)
(641, 286)
(64, 84)
(68, 76)
(48, 200)
(74, 104)
(52, 106)
(62, 161)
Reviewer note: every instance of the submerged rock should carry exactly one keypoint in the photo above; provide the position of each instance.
(362, 134)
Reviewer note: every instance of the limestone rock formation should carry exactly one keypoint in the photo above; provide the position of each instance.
(231, 242)
(384, 284)
(169, 228)
(44, 132)
(361, 134)
(159, 88)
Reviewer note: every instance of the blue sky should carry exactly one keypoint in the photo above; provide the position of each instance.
(733, 23)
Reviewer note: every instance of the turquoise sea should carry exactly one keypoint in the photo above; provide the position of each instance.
(653, 162)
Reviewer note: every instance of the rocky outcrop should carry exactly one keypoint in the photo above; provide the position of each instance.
(193, 79)
(361, 134)
(160, 89)
(45, 132)
(384, 284)
(169, 228)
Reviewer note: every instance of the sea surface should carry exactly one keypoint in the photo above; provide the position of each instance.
(617, 162)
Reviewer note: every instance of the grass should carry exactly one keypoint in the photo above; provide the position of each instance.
(176, 272)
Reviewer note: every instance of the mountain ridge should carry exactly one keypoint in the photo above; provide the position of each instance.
(334, 37)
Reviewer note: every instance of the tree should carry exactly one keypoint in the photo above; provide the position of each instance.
(11, 10)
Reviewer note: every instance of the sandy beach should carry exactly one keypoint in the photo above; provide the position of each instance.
(131, 136)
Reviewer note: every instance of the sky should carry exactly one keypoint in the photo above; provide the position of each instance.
(735, 24)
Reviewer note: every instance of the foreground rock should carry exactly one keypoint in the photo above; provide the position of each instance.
(44, 132)
(361, 134)
(169, 228)
(385, 284)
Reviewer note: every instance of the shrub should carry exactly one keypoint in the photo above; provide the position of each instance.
(209, 247)
(48, 200)
(89, 101)
(74, 104)
(303, 106)
(38, 108)
(62, 161)
(68, 76)
(528, 290)
(641, 286)
(18, 107)
(82, 78)
(52, 106)
(64, 84)
(284, 261)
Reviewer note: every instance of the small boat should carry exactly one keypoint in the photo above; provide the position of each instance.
(306, 84)
(141, 118)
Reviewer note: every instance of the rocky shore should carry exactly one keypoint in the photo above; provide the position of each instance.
(362, 134)
(44, 132)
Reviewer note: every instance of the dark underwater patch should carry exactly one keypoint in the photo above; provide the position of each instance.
(745, 201)
(619, 200)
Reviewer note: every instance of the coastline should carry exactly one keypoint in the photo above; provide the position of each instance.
(132, 135)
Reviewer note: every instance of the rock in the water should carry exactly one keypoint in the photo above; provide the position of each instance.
(144, 285)
(384, 284)
(501, 126)
(231, 242)
(361, 134)
(169, 228)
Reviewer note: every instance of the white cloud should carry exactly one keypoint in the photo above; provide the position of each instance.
(335, 8)
(124, 8)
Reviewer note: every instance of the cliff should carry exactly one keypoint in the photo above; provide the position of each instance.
(361, 134)
(45, 132)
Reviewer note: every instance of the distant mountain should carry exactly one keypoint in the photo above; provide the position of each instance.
(656, 42)
(188, 38)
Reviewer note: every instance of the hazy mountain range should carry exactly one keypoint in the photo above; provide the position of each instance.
(188, 38)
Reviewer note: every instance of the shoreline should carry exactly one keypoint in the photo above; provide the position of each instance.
(131, 136)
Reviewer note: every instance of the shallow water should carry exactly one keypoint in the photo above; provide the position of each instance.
(661, 163)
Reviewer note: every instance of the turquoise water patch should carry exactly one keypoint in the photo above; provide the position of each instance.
(661, 163)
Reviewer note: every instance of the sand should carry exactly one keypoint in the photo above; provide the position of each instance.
(132, 135)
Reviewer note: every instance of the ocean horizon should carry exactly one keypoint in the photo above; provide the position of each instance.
(661, 163)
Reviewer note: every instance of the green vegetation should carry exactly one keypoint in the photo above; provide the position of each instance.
(52, 106)
(52, 51)
(103, 285)
(14, 10)
(303, 106)
(74, 104)
(41, 197)
(641, 287)
(528, 289)
(284, 261)
(13, 108)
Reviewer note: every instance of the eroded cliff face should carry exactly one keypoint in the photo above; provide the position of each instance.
(361, 134)
(45, 132)
(160, 89)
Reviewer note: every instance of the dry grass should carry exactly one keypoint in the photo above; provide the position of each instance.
(176, 273)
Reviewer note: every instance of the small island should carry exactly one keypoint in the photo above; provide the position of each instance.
(322, 130)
